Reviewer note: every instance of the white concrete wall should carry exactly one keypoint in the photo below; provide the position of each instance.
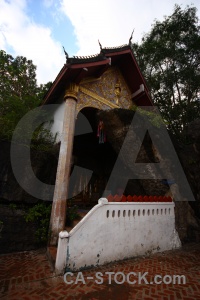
(115, 231)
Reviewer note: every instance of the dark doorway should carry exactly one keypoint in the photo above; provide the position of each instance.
(89, 153)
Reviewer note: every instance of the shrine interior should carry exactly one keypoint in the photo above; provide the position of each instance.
(89, 152)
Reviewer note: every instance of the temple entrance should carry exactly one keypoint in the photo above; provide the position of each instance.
(108, 80)
(92, 151)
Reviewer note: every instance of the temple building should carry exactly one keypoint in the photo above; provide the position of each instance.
(110, 231)
(84, 86)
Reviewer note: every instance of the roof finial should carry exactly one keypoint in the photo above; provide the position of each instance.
(130, 40)
(100, 45)
(66, 54)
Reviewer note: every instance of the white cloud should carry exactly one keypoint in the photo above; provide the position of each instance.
(112, 21)
(19, 33)
(48, 3)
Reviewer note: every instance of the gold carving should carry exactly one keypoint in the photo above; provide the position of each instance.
(87, 101)
(97, 97)
(72, 91)
(89, 80)
(110, 83)
(101, 92)
(117, 91)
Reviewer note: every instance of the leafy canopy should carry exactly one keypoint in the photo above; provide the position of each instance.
(19, 92)
(169, 57)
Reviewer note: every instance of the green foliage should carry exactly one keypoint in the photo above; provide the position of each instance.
(192, 161)
(40, 213)
(12, 206)
(155, 119)
(169, 59)
(18, 76)
(43, 139)
(19, 92)
(43, 89)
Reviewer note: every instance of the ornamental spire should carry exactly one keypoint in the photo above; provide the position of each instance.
(66, 54)
(130, 39)
(100, 45)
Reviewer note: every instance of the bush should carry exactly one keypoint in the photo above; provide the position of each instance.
(40, 213)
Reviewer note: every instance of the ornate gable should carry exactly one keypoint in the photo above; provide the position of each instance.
(108, 91)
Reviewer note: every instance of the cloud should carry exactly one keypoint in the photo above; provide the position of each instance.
(93, 20)
(19, 33)
(48, 3)
(112, 21)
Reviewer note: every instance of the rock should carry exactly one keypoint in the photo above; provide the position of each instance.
(187, 214)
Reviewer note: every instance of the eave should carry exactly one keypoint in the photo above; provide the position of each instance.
(78, 68)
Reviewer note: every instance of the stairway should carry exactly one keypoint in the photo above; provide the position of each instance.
(52, 250)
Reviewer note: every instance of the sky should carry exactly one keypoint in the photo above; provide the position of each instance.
(37, 29)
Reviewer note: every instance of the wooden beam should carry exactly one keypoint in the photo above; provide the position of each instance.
(80, 76)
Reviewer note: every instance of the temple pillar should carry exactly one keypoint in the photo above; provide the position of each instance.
(59, 205)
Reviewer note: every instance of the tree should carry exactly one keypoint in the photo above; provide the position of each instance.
(169, 57)
(19, 92)
(18, 77)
